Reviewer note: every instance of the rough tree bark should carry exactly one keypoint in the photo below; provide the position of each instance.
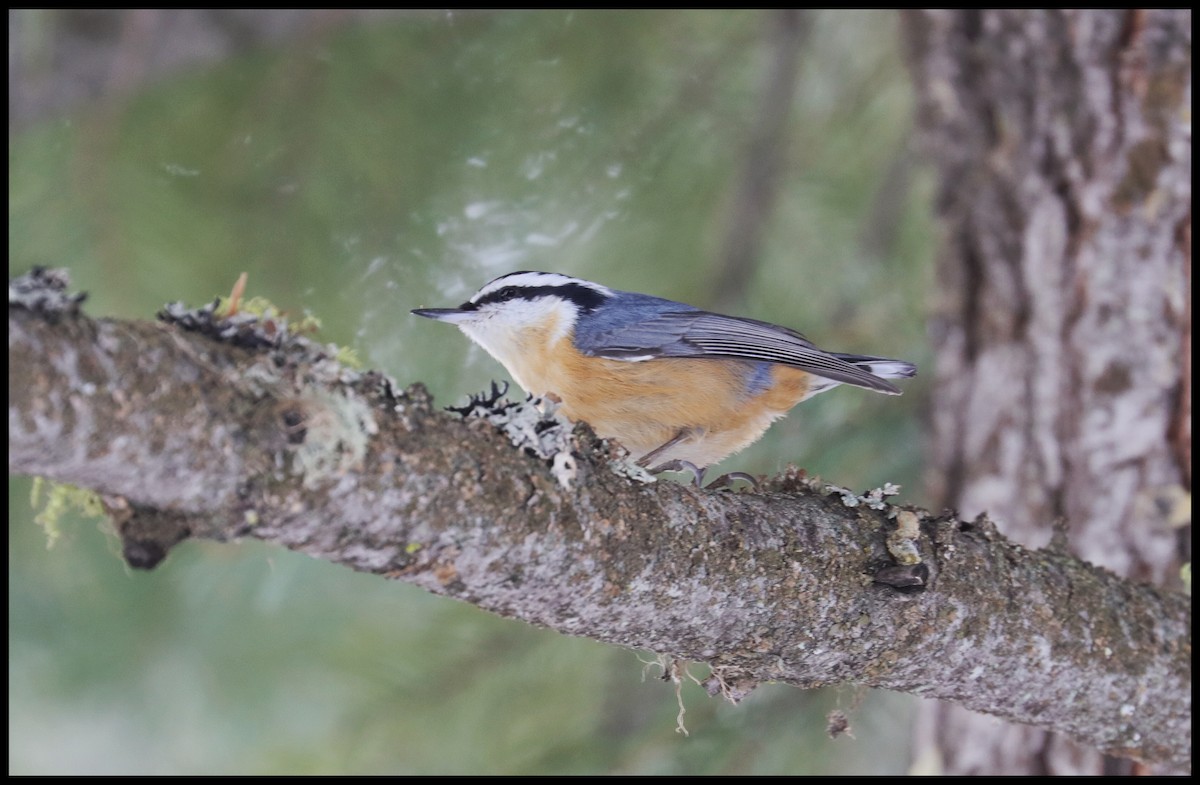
(1063, 144)
(228, 428)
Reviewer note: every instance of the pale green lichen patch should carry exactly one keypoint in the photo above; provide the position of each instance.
(62, 499)
(876, 498)
(337, 432)
(631, 469)
(349, 358)
(266, 311)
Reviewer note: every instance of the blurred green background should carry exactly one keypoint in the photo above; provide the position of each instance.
(357, 165)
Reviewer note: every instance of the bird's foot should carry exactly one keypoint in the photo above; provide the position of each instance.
(697, 472)
(726, 481)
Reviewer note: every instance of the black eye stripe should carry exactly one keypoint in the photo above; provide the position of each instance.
(585, 298)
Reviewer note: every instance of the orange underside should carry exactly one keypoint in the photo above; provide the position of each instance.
(646, 404)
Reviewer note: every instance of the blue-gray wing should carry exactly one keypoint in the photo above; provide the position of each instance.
(683, 332)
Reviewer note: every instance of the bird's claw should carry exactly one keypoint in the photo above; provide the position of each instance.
(724, 482)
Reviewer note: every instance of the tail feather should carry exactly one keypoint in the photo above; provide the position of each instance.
(881, 366)
(876, 366)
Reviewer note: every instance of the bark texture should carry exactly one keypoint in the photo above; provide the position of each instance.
(1063, 145)
(217, 429)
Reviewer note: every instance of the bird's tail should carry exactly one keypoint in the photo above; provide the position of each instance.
(880, 366)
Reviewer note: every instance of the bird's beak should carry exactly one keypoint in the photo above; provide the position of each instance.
(452, 315)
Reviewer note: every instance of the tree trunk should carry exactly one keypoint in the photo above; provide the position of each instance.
(1062, 324)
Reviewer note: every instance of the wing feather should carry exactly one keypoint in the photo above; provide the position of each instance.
(696, 333)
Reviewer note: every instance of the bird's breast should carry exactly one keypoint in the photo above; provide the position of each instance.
(725, 403)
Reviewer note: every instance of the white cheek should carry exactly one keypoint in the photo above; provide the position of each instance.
(504, 333)
(495, 339)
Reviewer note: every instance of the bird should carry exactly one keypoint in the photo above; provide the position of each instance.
(678, 386)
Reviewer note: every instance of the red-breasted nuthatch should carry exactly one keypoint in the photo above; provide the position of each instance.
(676, 385)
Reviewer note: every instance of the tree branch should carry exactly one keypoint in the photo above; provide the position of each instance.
(227, 429)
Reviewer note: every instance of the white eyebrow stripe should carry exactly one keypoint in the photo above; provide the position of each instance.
(534, 280)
